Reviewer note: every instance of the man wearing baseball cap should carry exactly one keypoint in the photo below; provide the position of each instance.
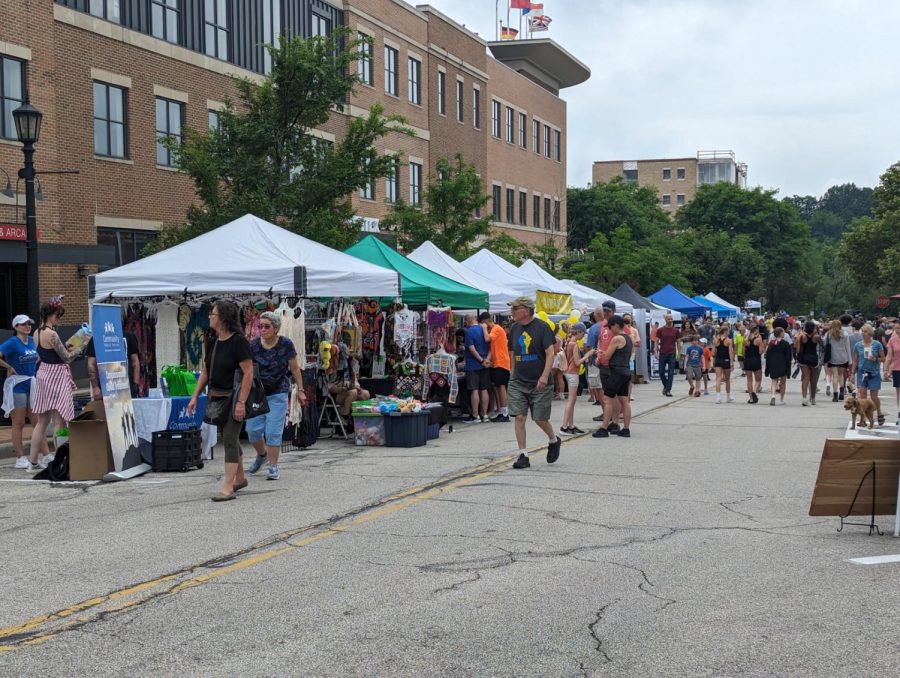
(531, 349)
(18, 356)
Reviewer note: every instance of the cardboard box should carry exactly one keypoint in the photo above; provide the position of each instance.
(90, 453)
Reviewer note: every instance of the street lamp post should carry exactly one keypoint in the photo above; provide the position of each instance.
(28, 130)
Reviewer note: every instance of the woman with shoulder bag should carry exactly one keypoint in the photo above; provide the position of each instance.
(806, 348)
(224, 356)
(276, 358)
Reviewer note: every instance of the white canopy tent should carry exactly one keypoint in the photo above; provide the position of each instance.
(434, 259)
(752, 304)
(712, 296)
(247, 256)
(597, 297)
(496, 268)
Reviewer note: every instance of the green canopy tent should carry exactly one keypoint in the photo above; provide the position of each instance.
(418, 285)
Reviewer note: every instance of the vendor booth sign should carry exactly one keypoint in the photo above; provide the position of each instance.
(553, 303)
(112, 368)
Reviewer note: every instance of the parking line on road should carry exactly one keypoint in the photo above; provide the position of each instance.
(876, 560)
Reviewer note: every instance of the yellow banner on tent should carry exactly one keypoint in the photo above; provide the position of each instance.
(553, 303)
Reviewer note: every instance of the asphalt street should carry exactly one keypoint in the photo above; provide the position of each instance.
(686, 550)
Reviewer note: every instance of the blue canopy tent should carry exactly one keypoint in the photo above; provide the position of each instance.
(671, 297)
(720, 310)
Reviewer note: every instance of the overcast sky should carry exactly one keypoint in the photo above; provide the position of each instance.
(806, 92)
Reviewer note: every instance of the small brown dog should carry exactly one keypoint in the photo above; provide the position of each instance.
(861, 407)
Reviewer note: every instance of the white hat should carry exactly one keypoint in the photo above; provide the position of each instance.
(704, 340)
(21, 319)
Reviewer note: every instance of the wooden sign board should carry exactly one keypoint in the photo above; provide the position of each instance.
(843, 465)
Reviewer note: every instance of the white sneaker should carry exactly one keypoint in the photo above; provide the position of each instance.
(781, 402)
(804, 403)
(731, 399)
(22, 462)
(33, 468)
(47, 459)
(718, 399)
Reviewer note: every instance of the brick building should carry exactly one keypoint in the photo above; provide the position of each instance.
(111, 76)
(675, 179)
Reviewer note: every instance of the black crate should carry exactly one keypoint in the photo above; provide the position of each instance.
(177, 450)
(405, 430)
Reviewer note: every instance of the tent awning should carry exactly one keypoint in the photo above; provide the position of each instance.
(434, 259)
(627, 293)
(719, 309)
(246, 256)
(490, 265)
(712, 296)
(421, 287)
(673, 298)
(592, 298)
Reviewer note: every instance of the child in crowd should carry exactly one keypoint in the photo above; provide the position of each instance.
(707, 361)
(694, 364)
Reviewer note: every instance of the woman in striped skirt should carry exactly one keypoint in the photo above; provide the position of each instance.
(54, 383)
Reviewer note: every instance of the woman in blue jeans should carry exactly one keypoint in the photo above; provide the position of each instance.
(276, 357)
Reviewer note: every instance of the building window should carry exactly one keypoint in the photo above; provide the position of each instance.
(557, 143)
(415, 81)
(213, 119)
(319, 25)
(364, 62)
(127, 244)
(680, 174)
(495, 203)
(523, 130)
(216, 17)
(536, 136)
(109, 120)
(547, 140)
(476, 108)
(106, 9)
(164, 16)
(667, 174)
(495, 118)
(460, 101)
(679, 199)
(630, 174)
(442, 92)
(556, 215)
(510, 205)
(391, 180)
(536, 211)
(523, 208)
(510, 117)
(367, 192)
(547, 215)
(271, 29)
(415, 183)
(12, 76)
(667, 200)
(169, 116)
(391, 86)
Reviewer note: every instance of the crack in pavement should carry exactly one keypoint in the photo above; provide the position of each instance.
(728, 504)
(642, 586)
(592, 628)
(456, 585)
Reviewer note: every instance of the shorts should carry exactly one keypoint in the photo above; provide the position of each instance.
(499, 376)
(593, 377)
(21, 400)
(694, 372)
(895, 375)
(722, 364)
(616, 384)
(872, 382)
(841, 365)
(524, 397)
(270, 426)
(478, 380)
(604, 377)
(572, 381)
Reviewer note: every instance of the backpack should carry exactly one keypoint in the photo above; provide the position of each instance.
(58, 470)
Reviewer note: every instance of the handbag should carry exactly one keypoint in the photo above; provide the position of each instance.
(256, 404)
(218, 401)
(827, 357)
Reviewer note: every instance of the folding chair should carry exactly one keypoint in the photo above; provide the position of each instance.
(334, 420)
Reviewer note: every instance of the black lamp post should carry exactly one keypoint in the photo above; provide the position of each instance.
(28, 130)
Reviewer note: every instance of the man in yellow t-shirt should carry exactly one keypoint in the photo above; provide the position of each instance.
(499, 366)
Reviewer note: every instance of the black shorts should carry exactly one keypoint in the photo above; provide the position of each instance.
(604, 377)
(478, 380)
(895, 376)
(723, 364)
(616, 384)
(499, 376)
(843, 365)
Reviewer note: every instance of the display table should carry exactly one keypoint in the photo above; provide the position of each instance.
(170, 414)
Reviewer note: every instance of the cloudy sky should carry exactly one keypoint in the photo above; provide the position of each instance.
(806, 92)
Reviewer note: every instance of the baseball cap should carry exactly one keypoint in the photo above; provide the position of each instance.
(527, 302)
(610, 304)
(703, 340)
(21, 319)
(578, 327)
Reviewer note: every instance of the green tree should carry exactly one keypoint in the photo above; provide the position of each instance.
(726, 264)
(264, 160)
(454, 195)
(507, 247)
(606, 206)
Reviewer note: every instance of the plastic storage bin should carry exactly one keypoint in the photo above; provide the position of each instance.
(433, 431)
(177, 450)
(405, 430)
(368, 428)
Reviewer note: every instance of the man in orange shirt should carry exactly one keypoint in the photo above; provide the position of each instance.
(499, 365)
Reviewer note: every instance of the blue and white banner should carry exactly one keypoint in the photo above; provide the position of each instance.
(112, 369)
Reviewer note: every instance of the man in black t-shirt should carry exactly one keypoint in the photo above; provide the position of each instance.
(531, 348)
(134, 366)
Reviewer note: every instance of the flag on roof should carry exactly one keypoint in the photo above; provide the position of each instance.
(508, 33)
(540, 23)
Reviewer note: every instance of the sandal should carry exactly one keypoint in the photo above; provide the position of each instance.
(881, 420)
(241, 486)
(222, 496)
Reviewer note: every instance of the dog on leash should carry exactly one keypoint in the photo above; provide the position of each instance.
(862, 408)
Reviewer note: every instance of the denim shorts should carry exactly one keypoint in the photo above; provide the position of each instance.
(270, 426)
(868, 381)
(21, 400)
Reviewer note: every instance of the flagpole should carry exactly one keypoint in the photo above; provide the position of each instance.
(521, 14)
(508, 3)
(497, 20)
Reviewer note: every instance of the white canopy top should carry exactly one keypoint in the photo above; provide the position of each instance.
(496, 268)
(712, 296)
(434, 259)
(248, 256)
(596, 297)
